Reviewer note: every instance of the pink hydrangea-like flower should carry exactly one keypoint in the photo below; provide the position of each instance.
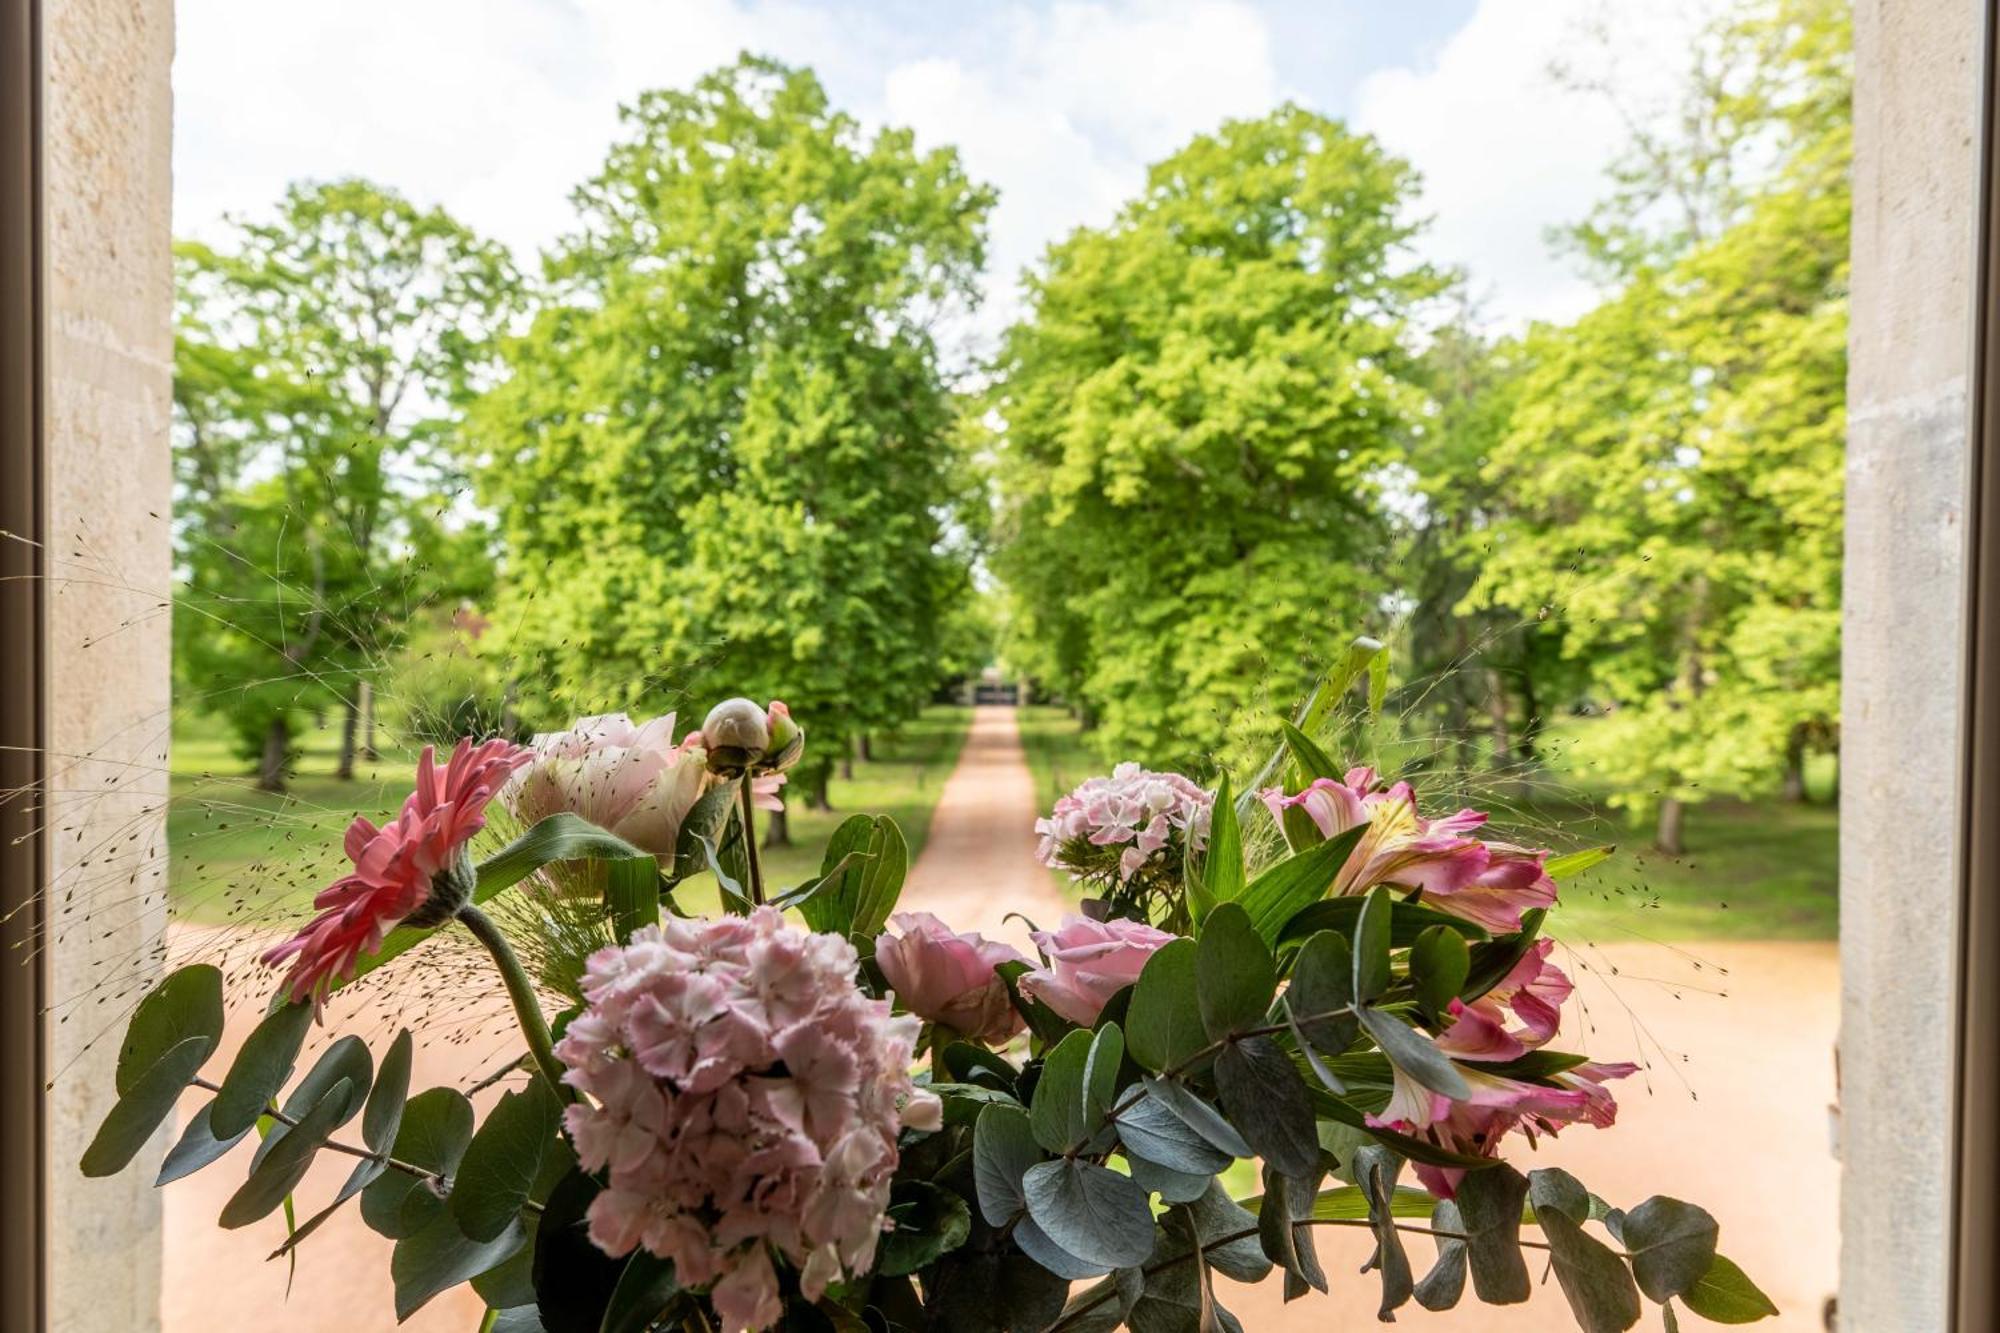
(1147, 816)
(413, 868)
(949, 978)
(1088, 962)
(1491, 883)
(629, 779)
(744, 1098)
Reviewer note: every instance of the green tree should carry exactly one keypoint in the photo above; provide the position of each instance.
(723, 457)
(1679, 448)
(1194, 421)
(319, 366)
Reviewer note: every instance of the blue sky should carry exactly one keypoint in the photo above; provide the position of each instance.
(495, 108)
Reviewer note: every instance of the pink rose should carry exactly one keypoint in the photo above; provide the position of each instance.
(1088, 962)
(949, 978)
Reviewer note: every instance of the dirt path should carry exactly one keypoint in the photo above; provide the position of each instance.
(978, 864)
(1730, 1113)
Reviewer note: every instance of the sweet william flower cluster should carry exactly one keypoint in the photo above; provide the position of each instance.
(744, 1098)
(1120, 825)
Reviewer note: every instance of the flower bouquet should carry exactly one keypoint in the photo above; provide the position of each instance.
(812, 1111)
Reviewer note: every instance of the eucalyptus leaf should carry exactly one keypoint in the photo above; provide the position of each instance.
(196, 1148)
(260, 1069)
(1100, 1076)
(1090, 1211)
(501, 1163)
(436, 1127)
(1375, 1170)
(1172, 1186)
(1056, 1111)
(1003, 1148)
(187, 1004)
(1414, 1054)
(1321, 992)
(1441, 1288)
(1489, 1206)
(1036, 1244)
(1371, 946)
(928, 1221)
(1198, 1115)
(1726, 1295)
(274, 1178)
(440, 1257)
(1235, 975)
(1594, 1279)
(1266, 1101)
(1671, 1245)
(1164, 1025)
(145, 1103)
(646, 1289)
(1439, 963)
(1149, 1129)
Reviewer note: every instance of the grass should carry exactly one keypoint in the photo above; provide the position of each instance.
(1754, 870)
(241, 855)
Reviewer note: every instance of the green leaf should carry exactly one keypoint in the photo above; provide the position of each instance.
(1235, 975)
(734, 899)
(632, 893)
(1216, 1215)
(1378, 681)
(1412, 1052)
(1371, 946)
(1312, 761)
(186, 1004)
(436, 1127)
(1322, 986)
(146, 1102)
(859, 902)
(1222, 865)
(1439, 962)
(1172, 1186)
(1571, 864)
(1277, 895)
(1406, 922)
(1489, 1206)
(285, 1165)
(560, 837)
(1164, 1027)
(706, 819)
(260, 1070)
(1492, 961)
(503, 1160)
(384, 1114)
(1671, 1245)
(1593, 1278)
(440, 1257)
(929, 1221)
(1553, 1189)
(197, 1147)
(1266, 1101)
(1003, 1148)
(1726, 1295)
(646, 1288)
(1100, 1076)
(1057, 1109)
(574, 1280)
(1090, 1211)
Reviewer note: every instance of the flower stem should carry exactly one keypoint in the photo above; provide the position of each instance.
(520, 990)
(750, 855)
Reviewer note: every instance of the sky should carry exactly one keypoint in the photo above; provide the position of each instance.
(497, 108)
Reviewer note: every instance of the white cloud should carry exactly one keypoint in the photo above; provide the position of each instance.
(1507, 151)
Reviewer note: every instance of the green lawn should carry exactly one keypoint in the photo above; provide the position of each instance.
(241, 855)
(1759, 870)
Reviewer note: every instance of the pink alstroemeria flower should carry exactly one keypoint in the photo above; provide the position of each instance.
(1491, 883)
(413, 867)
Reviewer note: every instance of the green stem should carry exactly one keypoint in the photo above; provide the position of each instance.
(520, 990)
(750, 855)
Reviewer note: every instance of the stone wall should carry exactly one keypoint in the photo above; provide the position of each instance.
(1916, 123)
(108, 290)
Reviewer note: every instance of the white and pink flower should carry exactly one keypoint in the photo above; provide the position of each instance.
(745, 1099)
(1146, 815)
(630, 779)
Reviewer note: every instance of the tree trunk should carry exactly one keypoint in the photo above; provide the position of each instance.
(777, 829)
(368, 750)
(1795, 766)
(816, 797)
(1673, 817)
(864, 749)
(847, 760)
(271, 767)
(350, 727)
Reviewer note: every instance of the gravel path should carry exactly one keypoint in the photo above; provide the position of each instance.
(1730, 1113)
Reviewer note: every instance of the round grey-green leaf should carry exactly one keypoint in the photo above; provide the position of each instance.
(1090, 1211)
(260, 1069)
(187, 1003)
(146, 1102)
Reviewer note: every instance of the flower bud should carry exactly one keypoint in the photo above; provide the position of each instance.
(451, 889)
(788, 739)
(737, 734)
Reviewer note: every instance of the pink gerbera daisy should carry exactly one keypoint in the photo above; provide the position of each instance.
(413, 869)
